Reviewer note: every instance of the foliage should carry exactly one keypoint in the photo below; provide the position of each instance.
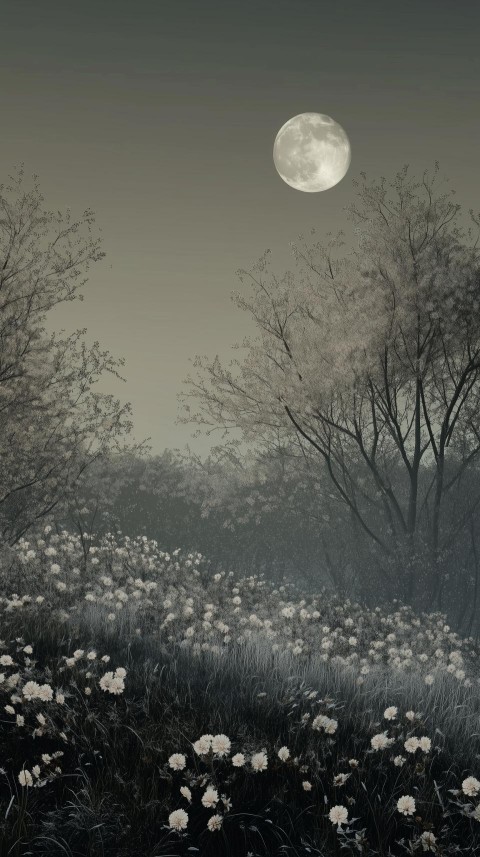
(53, 423)
(369, 361)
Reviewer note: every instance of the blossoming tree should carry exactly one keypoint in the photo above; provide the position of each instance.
(53, 423)
(368, 360)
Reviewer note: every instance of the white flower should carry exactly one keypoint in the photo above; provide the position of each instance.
(221, 745)
(28, 650)
(331, 726)
(203, 745)
(470, 786)
(406, 805)
(177, 762)
(59, 698)
(120, 672)
(30, 690)
(78, 653)
(25, 778)
(238, 760)
(307, 786)
(6, 661)
(425, 744)
(428, 841)
(410, 715)
(13, 680)
(429, 679)
(45, 693)
(210, 798)
(185, 792)
(326, 723)
(390, 713)
(284, 754)
(340, 779)
(380, 741)
(214, 823)
(399, 761)
(411, 745)
(259, 762)
(112, 683)
(287, 612)
(178, 819)
(338, 815)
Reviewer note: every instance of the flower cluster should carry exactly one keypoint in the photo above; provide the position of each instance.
(177, 597)
(205, 788)
(47, 709)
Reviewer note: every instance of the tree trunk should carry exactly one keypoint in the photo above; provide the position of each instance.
(437, 591)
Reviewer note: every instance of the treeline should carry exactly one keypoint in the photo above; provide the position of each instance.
(351, 424)
(275, 517)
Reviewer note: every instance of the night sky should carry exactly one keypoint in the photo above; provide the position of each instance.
(161, 116)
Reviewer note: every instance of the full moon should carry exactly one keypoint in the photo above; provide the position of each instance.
(311, 152)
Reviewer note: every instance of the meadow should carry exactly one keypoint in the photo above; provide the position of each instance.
(152, 705)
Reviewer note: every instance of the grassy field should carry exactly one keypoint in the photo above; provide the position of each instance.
(130, 736)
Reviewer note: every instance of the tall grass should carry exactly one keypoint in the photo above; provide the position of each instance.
(86, 758)
(116, 791)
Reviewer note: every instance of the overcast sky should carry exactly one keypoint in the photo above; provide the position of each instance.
(161, 116)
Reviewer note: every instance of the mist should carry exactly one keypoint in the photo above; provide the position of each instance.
(239, 430)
